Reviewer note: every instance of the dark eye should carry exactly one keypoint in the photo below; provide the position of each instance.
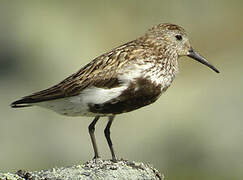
(178, 37)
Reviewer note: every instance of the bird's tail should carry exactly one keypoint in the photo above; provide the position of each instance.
(20, 103)
(51, 93)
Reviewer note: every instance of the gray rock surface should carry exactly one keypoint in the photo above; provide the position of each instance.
(91, 170)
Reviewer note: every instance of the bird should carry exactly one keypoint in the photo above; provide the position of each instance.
(126, 78)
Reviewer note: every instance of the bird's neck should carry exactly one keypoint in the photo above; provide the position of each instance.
(169, 61)
(161, 62)
(162, 67)
(163, 53)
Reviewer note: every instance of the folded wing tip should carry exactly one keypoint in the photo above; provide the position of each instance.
(19, 104)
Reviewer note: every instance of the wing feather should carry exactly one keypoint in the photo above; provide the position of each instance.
(101, 72)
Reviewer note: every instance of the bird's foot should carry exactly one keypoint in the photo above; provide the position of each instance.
(114, 159)
(96, 157)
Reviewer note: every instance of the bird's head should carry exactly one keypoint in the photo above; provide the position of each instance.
(174, 39)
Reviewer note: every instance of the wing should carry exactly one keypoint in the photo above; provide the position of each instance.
(101, 72)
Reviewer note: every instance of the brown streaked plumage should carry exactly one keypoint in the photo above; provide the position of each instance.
(128, 77)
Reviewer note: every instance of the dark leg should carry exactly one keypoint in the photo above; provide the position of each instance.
(92, 135)
(108, 138)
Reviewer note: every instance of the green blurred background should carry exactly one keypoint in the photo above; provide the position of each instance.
(194, 131)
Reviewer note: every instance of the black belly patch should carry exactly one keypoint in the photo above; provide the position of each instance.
(140, 93)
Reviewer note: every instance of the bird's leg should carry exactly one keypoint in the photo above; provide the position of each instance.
(108, 138)
(92, 135)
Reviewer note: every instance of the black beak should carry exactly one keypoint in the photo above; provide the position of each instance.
(193, 54)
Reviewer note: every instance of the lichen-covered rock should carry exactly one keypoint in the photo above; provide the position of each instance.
(91, 170)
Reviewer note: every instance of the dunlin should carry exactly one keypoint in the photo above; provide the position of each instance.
(128, 77)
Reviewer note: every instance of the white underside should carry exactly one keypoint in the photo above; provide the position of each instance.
(79, 105)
